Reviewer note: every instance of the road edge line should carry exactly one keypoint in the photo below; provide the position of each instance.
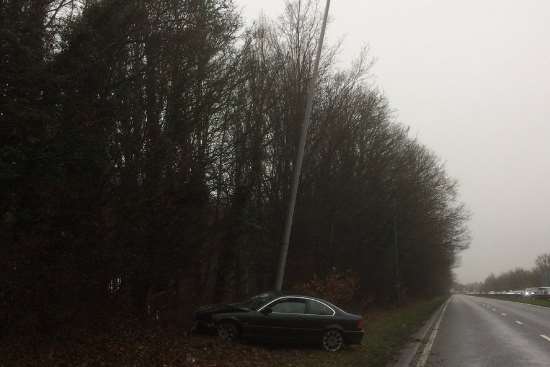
(409, 353)
(423, 359)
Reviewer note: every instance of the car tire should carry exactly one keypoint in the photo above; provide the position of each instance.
(332, 340)
(228, 331)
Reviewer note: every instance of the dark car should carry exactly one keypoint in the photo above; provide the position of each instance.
(283, 317)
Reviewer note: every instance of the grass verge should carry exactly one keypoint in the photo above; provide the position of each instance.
(519, 299)
(386, 332)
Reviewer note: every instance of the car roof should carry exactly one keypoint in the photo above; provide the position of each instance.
(279, 294)
(322, 300)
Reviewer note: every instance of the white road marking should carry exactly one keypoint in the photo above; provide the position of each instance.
(545, 337)
(494, 310)
(503, 314)
(428, 348)
(518, 322)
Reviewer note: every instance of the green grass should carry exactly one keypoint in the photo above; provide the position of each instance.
(392, 330)
(387, 331)
(519, 299)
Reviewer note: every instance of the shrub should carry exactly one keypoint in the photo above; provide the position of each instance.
(338, 287)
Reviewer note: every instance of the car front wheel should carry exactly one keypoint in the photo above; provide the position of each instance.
(332, 340)
(228, 331)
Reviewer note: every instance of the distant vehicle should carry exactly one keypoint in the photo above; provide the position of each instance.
(540, 292)
(543, 292)
(514, 292)
(279, 317)
(529, 292)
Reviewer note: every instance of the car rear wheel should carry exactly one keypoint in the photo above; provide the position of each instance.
(332, 340)
(228, 331)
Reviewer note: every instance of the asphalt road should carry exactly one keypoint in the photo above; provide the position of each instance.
(477, 331)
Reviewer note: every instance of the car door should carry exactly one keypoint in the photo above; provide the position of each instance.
(252, 324)
(284, 319)
(317, 317)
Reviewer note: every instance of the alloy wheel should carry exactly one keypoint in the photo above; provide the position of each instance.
(332, 340)
(228, 331)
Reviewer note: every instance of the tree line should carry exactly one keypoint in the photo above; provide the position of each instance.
(519, 278)
(146, 152)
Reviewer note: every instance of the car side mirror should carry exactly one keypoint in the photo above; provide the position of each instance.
(266, 311)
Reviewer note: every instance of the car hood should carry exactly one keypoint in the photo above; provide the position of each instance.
(221, 308)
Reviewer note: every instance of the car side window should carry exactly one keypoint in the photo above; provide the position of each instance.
(289, 306)
(317, 308)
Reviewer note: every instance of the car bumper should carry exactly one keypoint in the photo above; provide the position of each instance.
(353, 337)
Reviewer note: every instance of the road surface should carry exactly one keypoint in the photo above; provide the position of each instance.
(475, 331)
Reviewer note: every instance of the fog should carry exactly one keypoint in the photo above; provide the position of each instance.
(472, 80)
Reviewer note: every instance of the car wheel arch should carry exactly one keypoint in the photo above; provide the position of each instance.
(333, 326)
(234, 320)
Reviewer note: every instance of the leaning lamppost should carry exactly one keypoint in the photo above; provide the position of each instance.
(300, 156)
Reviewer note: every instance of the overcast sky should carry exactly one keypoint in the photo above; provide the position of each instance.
(472, 80)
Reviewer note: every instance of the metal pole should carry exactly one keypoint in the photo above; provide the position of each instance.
(300, 156)
(396, 249)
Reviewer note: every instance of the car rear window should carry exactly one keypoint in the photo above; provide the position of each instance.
(317, 308)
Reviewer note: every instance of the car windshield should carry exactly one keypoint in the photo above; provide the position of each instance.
(254, 303)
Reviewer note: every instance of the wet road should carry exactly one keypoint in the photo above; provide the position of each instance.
(477, 331)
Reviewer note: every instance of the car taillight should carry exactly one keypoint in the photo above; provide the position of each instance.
(360, 324)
